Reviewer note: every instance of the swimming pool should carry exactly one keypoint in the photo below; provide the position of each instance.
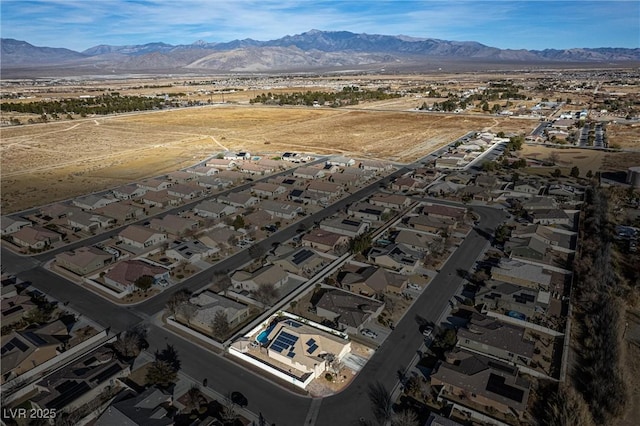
(262, 337)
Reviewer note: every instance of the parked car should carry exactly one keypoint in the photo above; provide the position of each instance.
(414, 286)
(369, 333)
(239, 399)
(427, 331)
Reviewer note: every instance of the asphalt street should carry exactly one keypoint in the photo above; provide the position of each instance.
(277, 404)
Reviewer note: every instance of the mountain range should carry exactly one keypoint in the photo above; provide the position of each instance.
(312, 50)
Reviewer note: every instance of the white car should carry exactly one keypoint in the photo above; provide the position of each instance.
(368, 333)
(414, 286)
(428, 331)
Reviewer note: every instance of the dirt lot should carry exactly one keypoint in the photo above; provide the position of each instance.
(585, 159)
(49, 162)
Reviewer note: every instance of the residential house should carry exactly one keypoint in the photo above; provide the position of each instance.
(414, 240)
(186, 191)
(221, 163)
(255, 169)
(269, 190)
(331, 169)
(231, 176)
(145, 409)
(367, 211)
(550, 217)
(239, 199)
(557, 239)
(10, 225)
(54, 211)
(88, 222)
(303, 347)
(154, 185)
(397, 257)
(524, 187)
(207, 305)
(486, 181)
(213, 209)
(173, 224)
(213, 183)
(180, 176)
(493, 338)
(327, 188)
(303, 262)
(24, 350)
(160, 199)
(341, 161)
(124, 275)
(405, 184)
(80, 382)
(444, 212)
(431, 224)
(271, 164)
(190, 251)
(344, 179)
(35, 237)
(129, 192)
(239, 156)
(371, 280)
(122, 211)
(141, 237)
(307, 197)
(505, 298)
(325, 241)
(478, 383)
(221, 236)
(444, 188)
(84, 260)
(391, 201)
(527, 249)
(308, 173)
(349, 227)
(203, 171)
(522, 274)
(14, 309)
(375, 165)
(539, 203)
(92, 202)
(350, 312)
(283, 210)
(358, 175)
(251, 281)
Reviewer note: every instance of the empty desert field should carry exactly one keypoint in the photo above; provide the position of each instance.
(55, 161)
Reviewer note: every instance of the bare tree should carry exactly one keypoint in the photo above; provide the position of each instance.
(176, 300)
(266, 294)
(381, 403)
(405, 417)
(228, 413)
(187, 311)
(222, 281)
(131, 342)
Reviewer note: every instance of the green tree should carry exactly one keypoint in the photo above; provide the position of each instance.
(220, 324)
(556, 173)
(575, 172)
(161, 373)
(238, 222)
(360, 243)
(144, 282)
(589, 174)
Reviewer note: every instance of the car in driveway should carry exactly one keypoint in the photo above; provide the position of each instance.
(369, 333)
(414, 286)
(427, 331)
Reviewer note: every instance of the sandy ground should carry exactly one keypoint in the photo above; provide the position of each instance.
(54, 161)
(584, 159)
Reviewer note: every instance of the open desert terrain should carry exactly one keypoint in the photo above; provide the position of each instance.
(47, 162)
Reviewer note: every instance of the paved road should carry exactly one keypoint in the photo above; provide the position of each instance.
(278, 404)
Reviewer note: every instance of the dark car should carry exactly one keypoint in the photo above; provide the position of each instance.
(239, 399)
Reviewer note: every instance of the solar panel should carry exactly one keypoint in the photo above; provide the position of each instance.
(312, 348)
(496, 384)
(288, 335)
(291, 354)
(277, 347)
(310, 342)
(301, 256)
(19, 344)
(351, 222)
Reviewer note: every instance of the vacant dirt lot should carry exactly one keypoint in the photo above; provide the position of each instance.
(49, 162)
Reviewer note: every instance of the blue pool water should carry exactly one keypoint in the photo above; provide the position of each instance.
(262, 337)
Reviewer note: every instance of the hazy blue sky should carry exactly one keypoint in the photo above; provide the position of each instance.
(80, 24)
